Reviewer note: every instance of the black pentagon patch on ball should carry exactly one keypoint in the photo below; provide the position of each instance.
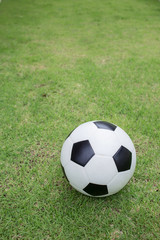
(82, 152)
(123, 159)
(96, 189)
(105, 125)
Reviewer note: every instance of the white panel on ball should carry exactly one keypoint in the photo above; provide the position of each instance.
(119, 181)
(124, 139)
(83, 132)
(101, 169)
(105, 142)
(76, 175)
(133, 162)
(66, 152)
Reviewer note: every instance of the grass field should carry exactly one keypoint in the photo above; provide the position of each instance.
(63, 63)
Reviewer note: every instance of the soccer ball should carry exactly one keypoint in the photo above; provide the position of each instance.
(98, 158)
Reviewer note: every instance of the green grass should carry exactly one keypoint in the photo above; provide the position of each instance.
(63, 63)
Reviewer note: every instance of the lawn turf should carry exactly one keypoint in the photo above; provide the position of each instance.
(63, 63)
